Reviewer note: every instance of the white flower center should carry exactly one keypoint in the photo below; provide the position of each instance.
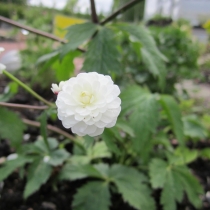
(86, 97)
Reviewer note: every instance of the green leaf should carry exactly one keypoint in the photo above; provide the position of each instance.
(184, 156)
(47, 57)
(144, 116)
(65, 68)
(174, 116)
(157, 172)
(38, 174)
(74, 172)
(109, 138)
(130, 184)
(205, 153)
(92, 196)
(193, 128)
(99, 150)
(10, 165)
(191, 186)
(77, 34)
(102, 54)
(151, 56)
(167, 197)
(174, 180)
(11, 127)
(42, 147)
(123, 125)
(57, 157)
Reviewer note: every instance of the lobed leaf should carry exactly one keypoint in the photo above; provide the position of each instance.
(102, 54)
(94, 195)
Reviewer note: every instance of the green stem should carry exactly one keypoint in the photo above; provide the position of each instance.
(27, 88)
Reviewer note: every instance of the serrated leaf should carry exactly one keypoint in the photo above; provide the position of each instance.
(191, 186)
(102, 54)
(167, 197)
(74, 172)
(57, 157)
(157, 172)
(143, 109)
(130, 184)
(11, 127)
(38, 174)
(174, 116)
(77, 34)
(92, 196)
(10, 165)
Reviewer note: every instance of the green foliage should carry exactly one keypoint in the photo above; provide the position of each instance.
(11, 165)
(102, 55)
(93, 195)
(174, 180)
(11, 127)
(130, 184)
(143, 109)
(77, 35)
(38, 174)
(172, 110)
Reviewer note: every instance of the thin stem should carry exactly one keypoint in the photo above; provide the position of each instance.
(35, 31)
(93, 12)
(120, 10)
(23, 106)
(51, 128)
(27, 88)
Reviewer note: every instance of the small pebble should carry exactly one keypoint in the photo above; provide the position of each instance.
(49, 205)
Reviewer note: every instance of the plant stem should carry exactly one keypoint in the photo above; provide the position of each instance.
(93, 12)
(120, 10)
(35, 31)
(27, 88)
(23, 106)
(50, 127)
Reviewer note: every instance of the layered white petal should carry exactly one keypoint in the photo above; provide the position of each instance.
(88, 103)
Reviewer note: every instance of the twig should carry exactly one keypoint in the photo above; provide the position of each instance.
(23, 106)
(35, 31)
(93, 12)
(120, 10)
(51, 128)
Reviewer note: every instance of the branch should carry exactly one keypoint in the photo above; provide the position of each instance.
(120, 10)
(51, 128)
(22, 106)
(35, 31)
(93, 12)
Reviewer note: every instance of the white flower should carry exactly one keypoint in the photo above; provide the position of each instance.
(89, 103)
(2, 66)
(57, 88)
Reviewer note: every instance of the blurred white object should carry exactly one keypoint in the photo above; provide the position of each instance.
(24, 32)
(11, 60)
(12, 156)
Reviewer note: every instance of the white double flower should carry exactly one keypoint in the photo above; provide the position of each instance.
(88, 103)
